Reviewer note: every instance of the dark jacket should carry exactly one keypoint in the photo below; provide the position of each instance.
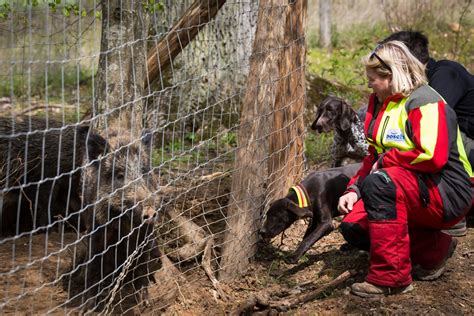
(456, 86)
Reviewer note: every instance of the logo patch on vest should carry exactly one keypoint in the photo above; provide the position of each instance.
(395, 135)
(384, 175)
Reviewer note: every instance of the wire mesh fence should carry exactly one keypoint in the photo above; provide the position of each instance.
(106, 214)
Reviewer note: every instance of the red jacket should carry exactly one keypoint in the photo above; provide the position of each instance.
(419, 133)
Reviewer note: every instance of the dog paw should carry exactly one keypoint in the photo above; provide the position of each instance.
(346, 247)
(292, 259)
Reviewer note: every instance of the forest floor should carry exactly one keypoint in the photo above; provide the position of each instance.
(269, 276)
(35, 287)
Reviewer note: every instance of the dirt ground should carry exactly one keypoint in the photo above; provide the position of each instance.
(270, 276)
(31, 268)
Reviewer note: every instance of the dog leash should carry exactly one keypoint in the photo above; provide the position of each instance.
(301, 194)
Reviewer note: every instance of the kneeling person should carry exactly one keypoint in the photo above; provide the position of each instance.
(414, 182)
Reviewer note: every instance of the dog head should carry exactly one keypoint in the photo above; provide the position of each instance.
(280, 216)
(333, 113)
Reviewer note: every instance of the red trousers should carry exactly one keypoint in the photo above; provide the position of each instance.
(401, 225)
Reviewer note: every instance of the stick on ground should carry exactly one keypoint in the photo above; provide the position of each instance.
(306, 297)
(261, 303)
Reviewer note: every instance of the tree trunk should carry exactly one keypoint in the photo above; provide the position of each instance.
(286, 163)
(325, 23)
(246, 30)
(272, 108)
(122, 65)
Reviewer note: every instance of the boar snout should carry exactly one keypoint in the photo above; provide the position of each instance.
(149, 215)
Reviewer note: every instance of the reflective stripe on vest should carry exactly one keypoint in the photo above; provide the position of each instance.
(389, 131)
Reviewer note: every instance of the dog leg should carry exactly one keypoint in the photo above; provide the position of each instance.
(314, 222)
(336, 163)
(322, 230)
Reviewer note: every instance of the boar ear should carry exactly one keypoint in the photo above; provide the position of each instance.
(96, 146)
(301, 212)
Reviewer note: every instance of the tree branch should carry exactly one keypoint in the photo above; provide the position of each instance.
(180, 35)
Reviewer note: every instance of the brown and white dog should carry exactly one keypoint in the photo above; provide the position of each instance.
(349, 141)
(315, 197)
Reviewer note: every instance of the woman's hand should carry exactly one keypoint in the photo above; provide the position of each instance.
(346, 202)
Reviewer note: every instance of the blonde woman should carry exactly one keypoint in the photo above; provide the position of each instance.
(414, 182)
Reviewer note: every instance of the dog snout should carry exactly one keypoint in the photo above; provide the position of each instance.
(263, 235)
(322, 124)
(325, 124)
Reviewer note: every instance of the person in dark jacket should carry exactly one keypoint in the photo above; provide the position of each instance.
(455, 84)
(414, 182)
(448, 78)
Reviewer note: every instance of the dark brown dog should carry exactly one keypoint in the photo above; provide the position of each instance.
(323, 189)
(349, 141)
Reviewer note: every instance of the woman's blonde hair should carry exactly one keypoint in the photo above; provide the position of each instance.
(407, 72)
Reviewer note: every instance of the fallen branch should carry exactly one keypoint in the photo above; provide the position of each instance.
(256, 301)
(212, 176)
(193, 234)
(303, 298)
(197, 243)
(260, 302)
(206, 265)
(470, 302)
(44, 107)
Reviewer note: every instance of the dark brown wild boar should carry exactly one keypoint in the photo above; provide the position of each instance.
(40, 173)
(119, 250)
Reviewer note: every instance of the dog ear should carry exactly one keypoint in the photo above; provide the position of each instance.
(301, 212)
(318, 115)
(347, 116)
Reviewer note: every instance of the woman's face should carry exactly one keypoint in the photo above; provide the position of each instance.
(379, 85)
